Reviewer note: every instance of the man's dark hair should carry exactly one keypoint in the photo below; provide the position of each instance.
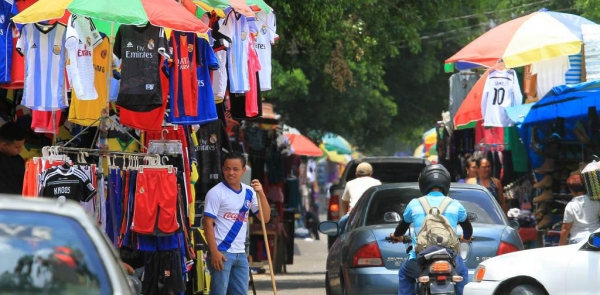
(10, 132)
(233, 156)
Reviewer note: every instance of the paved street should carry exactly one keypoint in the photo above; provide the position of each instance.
(305, 276)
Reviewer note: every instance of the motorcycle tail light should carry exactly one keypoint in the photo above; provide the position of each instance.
(368, 255)
(334, 207)
(440, 267)
(441, 278)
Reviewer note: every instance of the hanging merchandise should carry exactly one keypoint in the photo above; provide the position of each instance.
(139, 49)
(501, 90)
(573, 75)
(252, 95)
(237, 27)
(460, 85)
(86, 112)
(591, 38)
(82, 38)
(219, 76)
(42, 47)
(204, 104)
(550, 73)
(266, 38)
(68, 181)
(8, 10)
(183, 83)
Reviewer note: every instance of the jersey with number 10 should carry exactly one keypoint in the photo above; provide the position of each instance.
(501, 90)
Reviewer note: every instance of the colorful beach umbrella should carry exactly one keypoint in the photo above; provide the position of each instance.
(302, 145)
(168, 14)
(334, 142)
(534, 37)
(469, 111)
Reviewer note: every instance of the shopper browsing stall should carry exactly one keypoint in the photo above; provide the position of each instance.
(12, 171)
(581, 216)
(484, 178)
(225, 224)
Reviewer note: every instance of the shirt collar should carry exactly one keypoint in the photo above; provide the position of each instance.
(435, 194)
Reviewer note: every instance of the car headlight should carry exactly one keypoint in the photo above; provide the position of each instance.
(479, 273)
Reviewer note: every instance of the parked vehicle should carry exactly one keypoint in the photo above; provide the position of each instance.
(51, 246)
(385, 169)
(571, 269)
(361, 261)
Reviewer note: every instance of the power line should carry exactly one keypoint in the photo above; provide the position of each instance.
(493, 11)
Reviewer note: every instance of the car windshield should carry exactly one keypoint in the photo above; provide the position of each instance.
(474, 200)
(48, 254)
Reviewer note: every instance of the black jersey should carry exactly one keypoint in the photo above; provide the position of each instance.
(70, 182)
(212, 138)
(139, 49)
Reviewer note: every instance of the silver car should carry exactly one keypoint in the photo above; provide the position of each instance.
(361, 261)
(51, 246)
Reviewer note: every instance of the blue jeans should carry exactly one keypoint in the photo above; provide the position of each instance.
(233, 278)
(410, 271)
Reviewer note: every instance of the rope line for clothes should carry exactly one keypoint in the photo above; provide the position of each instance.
(494, 11)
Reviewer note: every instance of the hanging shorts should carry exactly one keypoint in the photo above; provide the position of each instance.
(155, 202)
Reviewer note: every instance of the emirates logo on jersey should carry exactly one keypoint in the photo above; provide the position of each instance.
(56, 49)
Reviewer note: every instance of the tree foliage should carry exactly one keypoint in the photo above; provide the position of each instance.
(372, 71)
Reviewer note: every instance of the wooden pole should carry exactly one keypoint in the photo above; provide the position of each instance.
(264, 230)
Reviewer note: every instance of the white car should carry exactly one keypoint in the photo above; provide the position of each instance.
(572, 269)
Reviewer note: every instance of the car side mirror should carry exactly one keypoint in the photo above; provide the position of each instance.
(330, 228)
(594, 240)
(392, 217)
(514, 224)
(472, 217)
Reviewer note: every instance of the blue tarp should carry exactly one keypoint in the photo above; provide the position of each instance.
(567, 101)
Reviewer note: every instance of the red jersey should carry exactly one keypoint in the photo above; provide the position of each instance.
(183, 82)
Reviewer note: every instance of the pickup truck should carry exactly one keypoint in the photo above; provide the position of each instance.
(386, 169)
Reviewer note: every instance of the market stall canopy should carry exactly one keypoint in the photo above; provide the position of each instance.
(565, 102)
(334, 142)
(534, 37)
(167, 14)
(334, 156)
(302, 145)
(469, 111)
(419, 151)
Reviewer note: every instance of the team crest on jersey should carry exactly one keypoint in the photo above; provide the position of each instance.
(248, 204)
(56, 49)
(151, 44)
(88, 41)
(1, 18)
(213, 138)
(103, 54)
(142, 190)
(263, 29)
(190, 47)
(244, 35)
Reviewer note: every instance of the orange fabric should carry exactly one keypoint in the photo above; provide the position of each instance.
(155, 202)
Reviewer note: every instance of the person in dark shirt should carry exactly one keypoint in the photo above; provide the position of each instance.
(12, 166)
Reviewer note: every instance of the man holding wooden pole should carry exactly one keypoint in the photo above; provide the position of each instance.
(225, 222)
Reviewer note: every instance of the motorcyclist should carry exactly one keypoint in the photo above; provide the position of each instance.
(434, 183)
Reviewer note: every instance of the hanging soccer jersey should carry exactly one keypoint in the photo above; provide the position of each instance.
(8, 9)
(206, 109)
(253, 67)
(236, 27)
(139, 49)
(70, 182)
(82, 37)
(86, 112)
(264, 41)
(183, 87)
(42, 47)
(501, 90)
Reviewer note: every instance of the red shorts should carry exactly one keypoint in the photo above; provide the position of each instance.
(155, 202)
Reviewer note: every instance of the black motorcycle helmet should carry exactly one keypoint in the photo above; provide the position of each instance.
(432, 176)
